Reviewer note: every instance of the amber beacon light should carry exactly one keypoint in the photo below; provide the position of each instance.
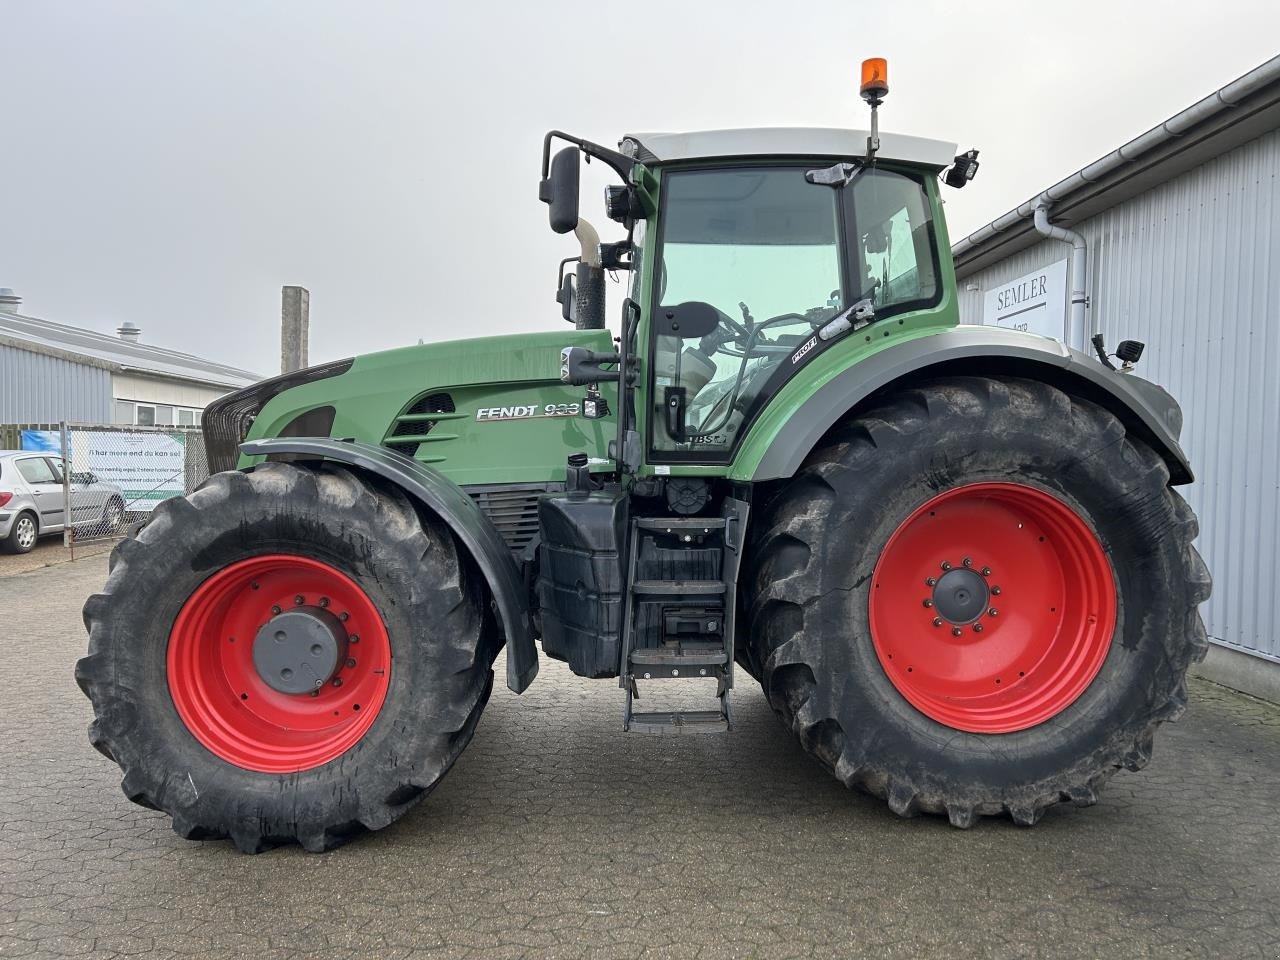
(875, 79)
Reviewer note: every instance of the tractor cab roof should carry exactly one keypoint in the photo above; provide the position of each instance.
(660, 148)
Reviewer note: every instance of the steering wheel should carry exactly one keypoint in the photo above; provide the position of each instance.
(802, 318)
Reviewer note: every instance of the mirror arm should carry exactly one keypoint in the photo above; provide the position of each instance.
(620, 163)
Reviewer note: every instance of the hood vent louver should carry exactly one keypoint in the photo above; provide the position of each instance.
(416, 423)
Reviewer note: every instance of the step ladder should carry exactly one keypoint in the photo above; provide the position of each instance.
(695, 615)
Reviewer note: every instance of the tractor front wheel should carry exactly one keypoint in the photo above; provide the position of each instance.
(979, 597)
(290, 654)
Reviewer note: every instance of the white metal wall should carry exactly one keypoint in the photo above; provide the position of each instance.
(35, 388)
(1192, 267)
(173, 392)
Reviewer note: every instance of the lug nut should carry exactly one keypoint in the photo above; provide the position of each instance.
(354, 638)
(299, 600)
(995, 591)
(946, 564)
(344, 616)
(337, 681)
(275, 610)
(930, 581)
(956, 631)
(937, 621)
(967, 562)
(324, 601)
(992, 611)
(351, 661)
(928, 603)
(986, 571)
(977, 628)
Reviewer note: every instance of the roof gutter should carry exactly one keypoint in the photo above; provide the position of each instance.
(1218, 102)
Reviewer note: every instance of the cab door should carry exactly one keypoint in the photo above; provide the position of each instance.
(46, 489)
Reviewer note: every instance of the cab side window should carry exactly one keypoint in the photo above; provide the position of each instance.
(895, 227)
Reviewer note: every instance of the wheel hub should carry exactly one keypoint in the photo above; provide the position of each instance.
(299, 650)
(961, 595)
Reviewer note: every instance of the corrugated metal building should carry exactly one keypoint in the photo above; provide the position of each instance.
(51, 372)
(1182, 232)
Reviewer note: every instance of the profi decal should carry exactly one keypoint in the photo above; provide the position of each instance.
(800, 354)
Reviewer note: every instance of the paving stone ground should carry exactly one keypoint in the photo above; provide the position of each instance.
(558, 836)
(48, 551)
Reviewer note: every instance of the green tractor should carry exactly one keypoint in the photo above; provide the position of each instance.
(951, 555)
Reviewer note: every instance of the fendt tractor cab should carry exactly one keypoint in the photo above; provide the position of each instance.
(951, 555)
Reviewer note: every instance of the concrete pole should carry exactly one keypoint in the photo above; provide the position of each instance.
(295, 310)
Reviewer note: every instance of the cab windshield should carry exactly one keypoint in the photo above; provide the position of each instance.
(764, 247)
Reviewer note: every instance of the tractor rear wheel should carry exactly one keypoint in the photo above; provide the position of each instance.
(979, 597)
(289, 654)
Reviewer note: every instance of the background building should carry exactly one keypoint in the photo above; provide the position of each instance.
(1181, 232)
(51, 372)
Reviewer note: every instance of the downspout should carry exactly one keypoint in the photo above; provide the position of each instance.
(1079, 258)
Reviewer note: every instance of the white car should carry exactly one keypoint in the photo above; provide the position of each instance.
(33, 500)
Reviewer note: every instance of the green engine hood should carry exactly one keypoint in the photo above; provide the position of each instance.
(512, 421)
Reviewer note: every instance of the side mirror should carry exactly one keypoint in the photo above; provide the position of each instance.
(691, 320)
(560, 190)
(565, 297)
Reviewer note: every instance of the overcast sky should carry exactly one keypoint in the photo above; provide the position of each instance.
(175, 163)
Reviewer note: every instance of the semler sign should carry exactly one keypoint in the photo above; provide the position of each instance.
(1035, 303)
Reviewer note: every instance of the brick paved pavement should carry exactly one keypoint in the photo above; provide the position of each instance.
(556, 835)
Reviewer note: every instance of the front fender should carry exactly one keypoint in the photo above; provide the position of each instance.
(459, 512)
(1145, 408)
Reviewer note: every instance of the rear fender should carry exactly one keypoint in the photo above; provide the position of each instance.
(1146, 409)
(444, 498)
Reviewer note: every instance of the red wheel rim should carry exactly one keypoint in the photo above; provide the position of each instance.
(226, 703)
(992, 607)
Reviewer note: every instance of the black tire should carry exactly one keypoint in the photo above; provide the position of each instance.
(441, 636)
(23, 535)
(809, 583)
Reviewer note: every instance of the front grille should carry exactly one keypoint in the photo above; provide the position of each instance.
(226, 421)
(514, 511)
(413, 425)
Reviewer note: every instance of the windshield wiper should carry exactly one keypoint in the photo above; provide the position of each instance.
(838, 175)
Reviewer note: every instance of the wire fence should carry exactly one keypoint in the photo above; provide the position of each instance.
(93, 481)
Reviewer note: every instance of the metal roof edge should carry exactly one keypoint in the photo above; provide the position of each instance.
(1123, 165)
(169, 364)
(57, 353)
(164, 375)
